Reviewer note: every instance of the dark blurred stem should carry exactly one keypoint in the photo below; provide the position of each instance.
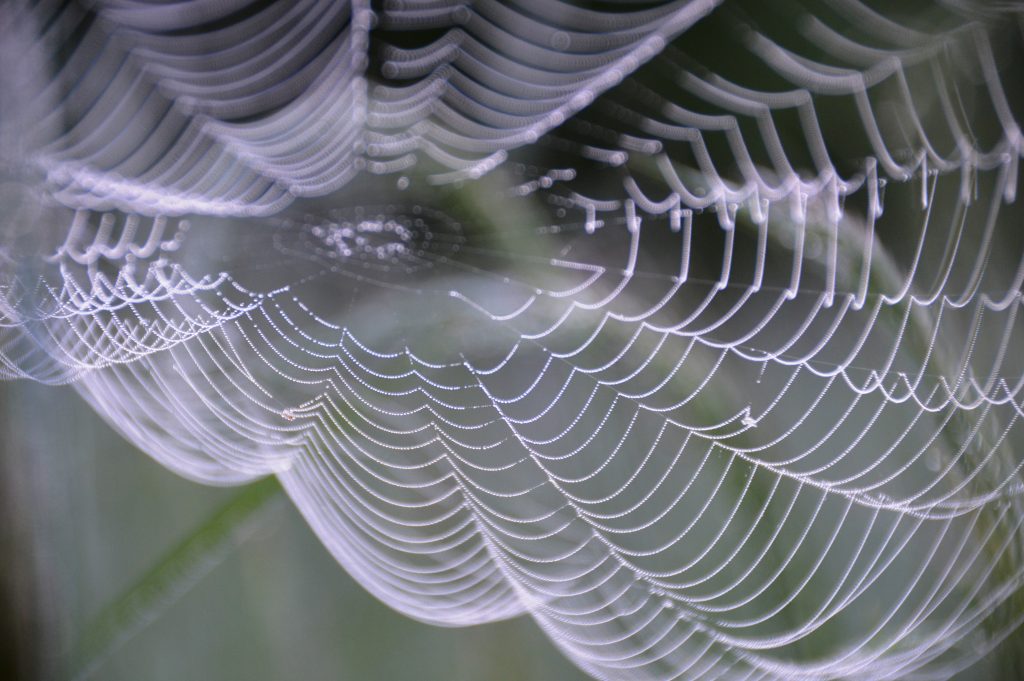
(26, 620)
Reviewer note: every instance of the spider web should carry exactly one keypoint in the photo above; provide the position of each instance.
(690, 334)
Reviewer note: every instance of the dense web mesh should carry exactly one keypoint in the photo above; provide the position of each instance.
(689, 329)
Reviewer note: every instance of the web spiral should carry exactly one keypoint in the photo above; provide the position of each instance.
(689, 329)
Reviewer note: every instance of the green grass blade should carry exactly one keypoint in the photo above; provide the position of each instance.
(172, 577)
